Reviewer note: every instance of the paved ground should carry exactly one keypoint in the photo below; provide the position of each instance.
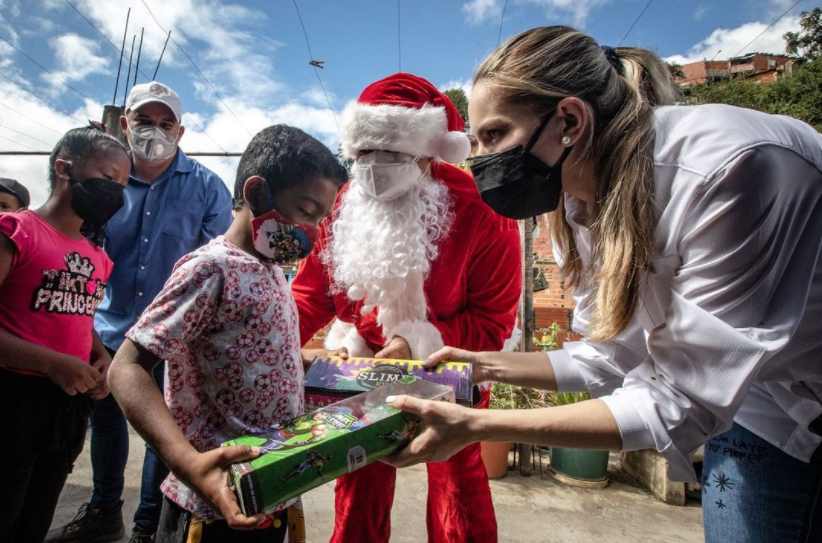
(532, 509)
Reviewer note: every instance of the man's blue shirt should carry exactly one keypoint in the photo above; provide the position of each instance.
(186, 207)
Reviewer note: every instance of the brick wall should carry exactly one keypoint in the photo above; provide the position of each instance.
(553, 304)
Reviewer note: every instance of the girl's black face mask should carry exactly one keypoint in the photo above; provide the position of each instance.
(515, 183)
(96, 200)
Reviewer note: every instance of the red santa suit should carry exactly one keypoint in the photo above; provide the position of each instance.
(468, 299)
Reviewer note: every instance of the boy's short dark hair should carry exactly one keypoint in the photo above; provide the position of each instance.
(286, 156)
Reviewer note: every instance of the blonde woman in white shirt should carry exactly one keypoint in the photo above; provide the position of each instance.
(691, 237)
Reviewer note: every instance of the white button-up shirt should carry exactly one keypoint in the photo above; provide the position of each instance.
(729, 327)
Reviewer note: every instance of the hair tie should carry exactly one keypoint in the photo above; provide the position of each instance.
(613, 57)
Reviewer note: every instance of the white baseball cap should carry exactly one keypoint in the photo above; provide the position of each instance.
(146, 93)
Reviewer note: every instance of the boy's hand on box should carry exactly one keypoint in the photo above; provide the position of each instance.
(309, 355)
(207, 475)
(73, 375)
(396, 349)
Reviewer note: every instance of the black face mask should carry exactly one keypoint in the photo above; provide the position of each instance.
(96, 200)
(515, 183)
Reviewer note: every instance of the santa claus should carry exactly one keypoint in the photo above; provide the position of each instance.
(410, 261)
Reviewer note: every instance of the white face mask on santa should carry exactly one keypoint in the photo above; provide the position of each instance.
(386, 176)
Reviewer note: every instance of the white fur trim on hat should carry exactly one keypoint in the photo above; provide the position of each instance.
(343, 334)
(421, 132)
(422, 336)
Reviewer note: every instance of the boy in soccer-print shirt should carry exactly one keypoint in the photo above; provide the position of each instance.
(226, 324)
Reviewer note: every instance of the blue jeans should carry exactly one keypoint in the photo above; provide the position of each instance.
(109, 453)
(752, 492)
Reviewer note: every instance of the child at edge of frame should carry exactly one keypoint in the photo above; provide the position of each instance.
(52, 278)
(226, 324)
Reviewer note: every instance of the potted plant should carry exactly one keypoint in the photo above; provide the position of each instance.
(503, 396)
(495, 453)
(578, 467)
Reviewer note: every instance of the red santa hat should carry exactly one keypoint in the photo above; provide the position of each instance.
(406, 114)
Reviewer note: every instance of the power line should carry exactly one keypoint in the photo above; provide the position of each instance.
(217, 94)
(316, 71)
(49, 72)
(92, 24)
(201, 129)
(501, 19)
(635, 22)
(24, 134)
(399, 39)
(20, 144)
(771, 26)
(30, 119)
(13, 82)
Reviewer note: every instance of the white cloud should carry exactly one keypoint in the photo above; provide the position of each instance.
(466, 85)
(224, 41)
(77, 59)
(480, 11)
(724, 43)
(701, 12)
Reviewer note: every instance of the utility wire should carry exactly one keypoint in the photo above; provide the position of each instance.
(49, 71)
(399, 38)
(635, 22)
(217, 94)
(92, 24)
(316, 71)
(117, 50)
(201, 129)
(501, 19)
(24, 134)
(18, 143)
(30, 119)
(13, 82)
(771, 26)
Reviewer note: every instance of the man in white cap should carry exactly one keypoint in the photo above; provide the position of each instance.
(173, 205)
(412, 260)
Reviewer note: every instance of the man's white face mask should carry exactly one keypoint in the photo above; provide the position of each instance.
(386, 176)
(152, 143)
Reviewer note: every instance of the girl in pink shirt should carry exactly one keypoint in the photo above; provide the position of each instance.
(52, 277)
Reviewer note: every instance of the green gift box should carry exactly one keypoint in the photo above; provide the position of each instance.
(320, 446)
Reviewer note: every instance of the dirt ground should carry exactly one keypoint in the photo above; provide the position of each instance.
(529, 509)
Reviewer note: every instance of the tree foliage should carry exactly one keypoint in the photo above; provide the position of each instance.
(675, 69)
(806, 43)
(799, 95)
(460, 101)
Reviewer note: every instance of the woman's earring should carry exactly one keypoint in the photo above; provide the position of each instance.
(566, 140)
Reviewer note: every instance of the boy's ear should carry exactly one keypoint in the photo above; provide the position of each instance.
(254, 192)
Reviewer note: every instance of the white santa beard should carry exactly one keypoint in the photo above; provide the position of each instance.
(381, 252)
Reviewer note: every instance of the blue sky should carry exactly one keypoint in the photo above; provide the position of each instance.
(255, 54)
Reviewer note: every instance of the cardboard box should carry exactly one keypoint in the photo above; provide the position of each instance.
(320, 446)
(330, 379)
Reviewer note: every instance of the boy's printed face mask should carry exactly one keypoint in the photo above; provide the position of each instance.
(278, 239)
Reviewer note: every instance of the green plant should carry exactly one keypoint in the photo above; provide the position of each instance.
(548, 340)
(566, 398)
(504, 396)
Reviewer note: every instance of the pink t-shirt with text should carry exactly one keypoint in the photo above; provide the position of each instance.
(54, 286)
